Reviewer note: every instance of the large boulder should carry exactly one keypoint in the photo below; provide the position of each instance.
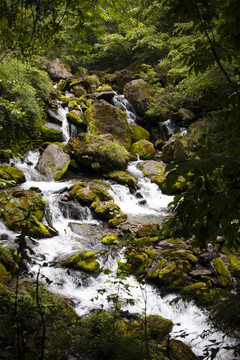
(23, 210)
(138, 94)
(104, 118)
(99, 152)
(54, 162)
(58, 70)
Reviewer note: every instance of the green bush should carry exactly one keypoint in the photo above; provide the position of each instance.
(22, 91)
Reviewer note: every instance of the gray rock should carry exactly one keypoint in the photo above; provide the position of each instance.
(54, 162)
(57, 70)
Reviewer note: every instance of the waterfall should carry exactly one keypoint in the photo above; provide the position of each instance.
(169, 128)
(148, 204)
(123, 104)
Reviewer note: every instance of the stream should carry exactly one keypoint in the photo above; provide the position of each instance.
(84, 291)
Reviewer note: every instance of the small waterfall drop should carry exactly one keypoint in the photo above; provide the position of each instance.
(124, 105)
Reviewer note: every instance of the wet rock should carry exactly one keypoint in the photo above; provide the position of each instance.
(137, 93)
(109, 239)
(104, 118)
(83, 260)
(10, 176)
(179, 351)
(147, 230)
(139, 133)
(122, 178)
(24, 209)
(158, 327)
(54, 162)
(143, 148)
(103, 95)
(99, 152)
(223, 272)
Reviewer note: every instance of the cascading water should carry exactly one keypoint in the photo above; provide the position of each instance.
(85, 233)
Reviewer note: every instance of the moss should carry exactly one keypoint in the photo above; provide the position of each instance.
(102, 149)
(100, 192)
(106, 210)
(6, 259)
(144, 149)
(61, 171)
(85, 195)
(75, 187)
(139, 133)
(50, 135)
(76, 118)
(179, 351)
(84, 260)
(158, 327)
(104, 118)
(195, 289)
(109, 239)
(8, 172)
(147, 230)
(122, 178)
(153, 274)
(225, 277)
(5, 276)
(117, 220)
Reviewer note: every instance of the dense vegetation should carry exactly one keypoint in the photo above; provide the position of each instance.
(188, 54)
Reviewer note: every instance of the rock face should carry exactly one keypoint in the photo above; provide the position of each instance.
(54, 162)
(104, 118)
(137, 93)
(99, 152)
(57, 70)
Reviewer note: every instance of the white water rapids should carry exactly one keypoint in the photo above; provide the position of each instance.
(84, 292)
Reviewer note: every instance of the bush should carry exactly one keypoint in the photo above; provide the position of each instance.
(22, 91)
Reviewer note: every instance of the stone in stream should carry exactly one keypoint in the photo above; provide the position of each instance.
(54, 162)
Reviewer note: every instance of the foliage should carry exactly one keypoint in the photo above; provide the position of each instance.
(22, 90)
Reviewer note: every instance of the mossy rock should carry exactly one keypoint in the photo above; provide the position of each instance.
(75, 117)
(234, 264)
(158, 327)
(138, 94)
(106, 210)
(147, 230)
(196, 289)
(221, 268)
(50, 135)
(140, 259)
(144, 149)
(11, 173)
(181, 254)
(75, 187)
(100, 192)
(139, 133)
(5, 276)
(179, 351)
(85, 196)
(117, 220)
(24, 209)
(122, 178)
(109, 239)
(83, 260)
(171, 274)
(6, 259)
(104, 118)
(99, 152)
(78, 90)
